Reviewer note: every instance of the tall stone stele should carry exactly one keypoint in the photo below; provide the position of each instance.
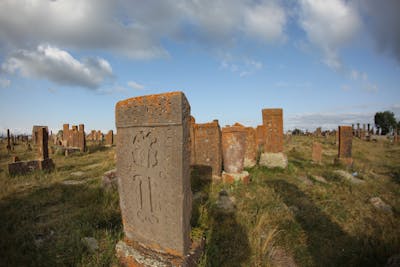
(233, 154)
(153, 161)
(345, 145)
(273, 147)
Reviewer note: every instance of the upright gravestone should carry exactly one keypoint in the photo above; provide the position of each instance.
(109, 138)
(207, 148)
(82, 138)
(260, 133)
(233, 152)
(345, 145)
(273, 147)
(65, 134)
(45, 163)
(250, 156)
(153, 161)
(317, 152)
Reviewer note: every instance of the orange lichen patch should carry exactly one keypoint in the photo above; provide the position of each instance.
(238, 125)
(148, 99)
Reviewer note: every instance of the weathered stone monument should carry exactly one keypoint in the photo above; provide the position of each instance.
(43, 163)
(153, 169)
(318, 132)
(233, 153)
(207, 146)
(250, 156)
(273, 147)
(316, 153)
(109, 138)
(260, 133)
(345, 145)
(35, 130)
(75, 138)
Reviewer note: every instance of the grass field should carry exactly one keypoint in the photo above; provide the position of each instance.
(281, 217)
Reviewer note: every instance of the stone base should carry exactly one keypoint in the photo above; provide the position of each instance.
(248, 163)
(132, 254)
(230, 178)
(348, 162)
(273, 160)
(24, 167)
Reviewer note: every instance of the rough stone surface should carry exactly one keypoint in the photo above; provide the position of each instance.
(379, 204)
(77, 174)
(317, 152)
(132, 254)
(281, 258)
(75, 137)
(347, 176)
(273, 121)
(110, 180)
(393, 261)
(273, 160)
(110, 138)
(35, 136)
(90, 243)
(207, 146)
(243, 177)
(345, 135)
(260, 133)
(233, 148)
(305, 180)
(153, 169)
(250, 156)
(320, 179)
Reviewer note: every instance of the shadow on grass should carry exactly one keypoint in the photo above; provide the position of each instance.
(227, 241)
(328, 244)
(44, 227)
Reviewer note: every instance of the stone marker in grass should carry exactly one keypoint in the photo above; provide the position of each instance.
(153, 161)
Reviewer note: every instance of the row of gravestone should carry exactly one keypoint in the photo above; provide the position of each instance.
(153, 167)
(158, 140)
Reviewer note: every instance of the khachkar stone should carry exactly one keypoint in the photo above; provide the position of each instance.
(35, 136)
(233, 152)
(82, 138)
(250, 155)
(65, 134)
(207, 148)
(192, 141)
(273, 147)
(260, 132)
(109, 138)
(345, 145)
(153, 161)
(316, 153)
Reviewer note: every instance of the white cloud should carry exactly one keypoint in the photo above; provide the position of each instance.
(363, 79)
(4, 83)
(137, 28)
(266, 21)
(329, 25)
(135, 85)
(56, 65)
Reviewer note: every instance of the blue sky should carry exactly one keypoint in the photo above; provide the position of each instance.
(324, 62)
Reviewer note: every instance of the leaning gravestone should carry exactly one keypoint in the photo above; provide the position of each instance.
(153, 161)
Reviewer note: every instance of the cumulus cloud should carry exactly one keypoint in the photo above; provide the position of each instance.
(136, 28)
(135, 85)
(383, 22)
(329, 25)
(58, 66)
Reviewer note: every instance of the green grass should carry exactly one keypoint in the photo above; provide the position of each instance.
(317, 224)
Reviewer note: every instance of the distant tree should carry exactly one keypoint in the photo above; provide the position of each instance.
(297, 132)
(385, 121)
